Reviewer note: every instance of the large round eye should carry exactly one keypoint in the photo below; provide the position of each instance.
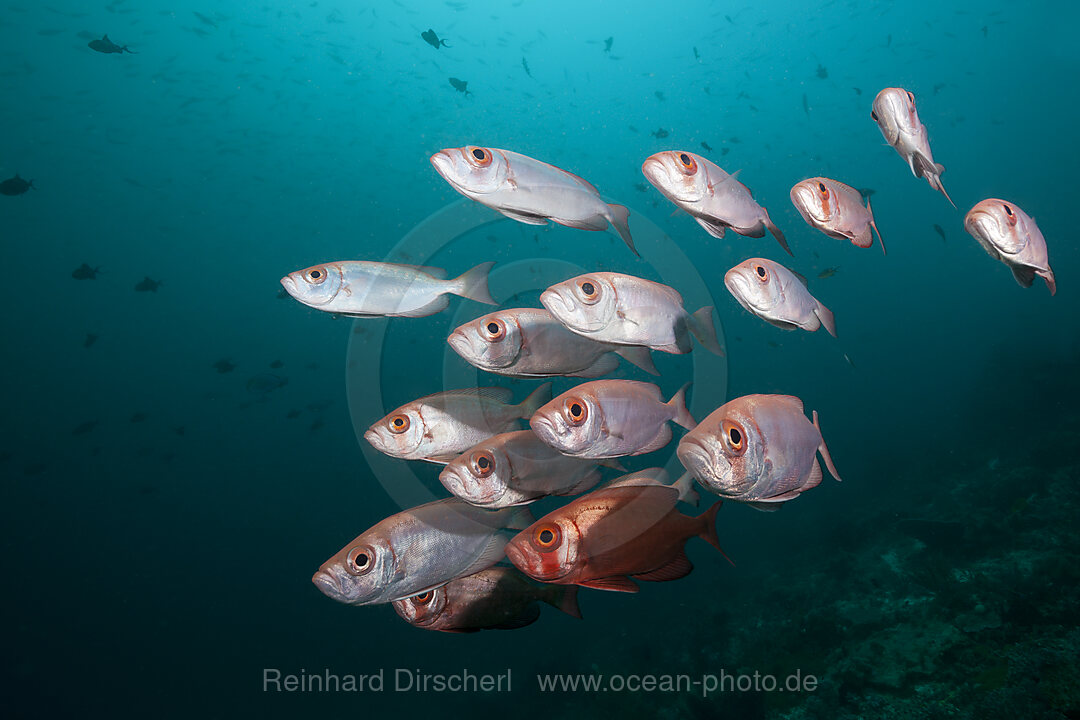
(478, 156)
(399, 424)
(483, 463)
(360, 560)
(576, 411)
(589, 291)
(1011, 215)
(873, 115)
(493, 329)
(687, 163)
(762, 273)
(911, 97)
(822, 189)
(315, 276)
(734, 436)
(424, 598)
(547, 537)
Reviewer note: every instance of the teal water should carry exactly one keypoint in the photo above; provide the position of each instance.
(161, 518)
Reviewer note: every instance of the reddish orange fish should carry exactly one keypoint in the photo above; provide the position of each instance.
(605, 538)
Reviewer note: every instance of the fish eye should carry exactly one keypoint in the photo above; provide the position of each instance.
(590, 293)
(399, 424)
(424, 598)
(734, 436)
(762, 272)
(911, 97)
(479, 156)
(360, 560)
(1011, 215)
(1008, 210)
(547, 537)
(483, 463)
(494, 330)
(873, 116)
(315, 276)
(822, 188)
(689, 165)
(577, 412)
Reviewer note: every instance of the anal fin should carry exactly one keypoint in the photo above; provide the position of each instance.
(680, 566)
(616, 583)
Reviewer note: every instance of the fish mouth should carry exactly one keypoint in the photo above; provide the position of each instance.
(803, 198)
(517, 557)
(545, 429)
(289, 284)
(329, 585)
(563, 309)
(443, 164)
(695, 458)
(375, 441)
(655, 171)
(462, 345)
(741, 288)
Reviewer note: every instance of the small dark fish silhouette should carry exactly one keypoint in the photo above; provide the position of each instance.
(148, 285)
(659, 133)
(460, 85)
(858, 91)
(706, 146)
(805, 104)
(822, 72)
(432, 39)
(888, 40)
(138, 417)
(640, 187)
(607, 44)
(696, 55)
(224, 365)
(985, 30)
(15, 186)
(276, 364)
(85, 427)
(105, 45)
(266, 383)
(940, 231)
(724, 151)
(659, 95)
(293, 414)
(827, 272)
(525, 65)
(90, 339)
(734, 140)
(85, 272)
(179, 430)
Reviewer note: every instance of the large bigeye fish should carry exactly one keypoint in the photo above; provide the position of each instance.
(439, 427)
(895, 114)
(516, 468)
(605, 538)
(757, 449)
(627, 310)
(528, 190)
(1010, 235)
(499, 598)
(529, 342)
(417, 550)
(777, 295)
(610, 418)
(712, 197)
(836, 209)
(365, 289)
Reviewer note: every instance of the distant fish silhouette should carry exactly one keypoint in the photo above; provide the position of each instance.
(105, 45)
(526, 66)
(858, 91)
(224, 365)
(940, 231)
(827, 272)
(432, 39)
(706, 146)
(822, 72)
(607, 44)
(15, 186)
(659, 95)
(276, 364)
(460, 85)
(85, 272)
(85, 427)
(266, 383)
(90, 339)
(659, 133)
(148, 285)
(696, 55)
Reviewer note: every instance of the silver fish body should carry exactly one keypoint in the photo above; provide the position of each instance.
(417, 550)
(895, 114)
(373, 289)
(716, 200)
(627, 310)
(778, 296)
(528, 190)
(836, 209)
(1010, 235)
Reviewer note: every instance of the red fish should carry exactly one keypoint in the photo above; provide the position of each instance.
(605, 538)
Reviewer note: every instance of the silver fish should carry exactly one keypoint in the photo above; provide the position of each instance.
(777, 295)
(417, 550)
(836, 209)
(628, 310)
(516, 468)
(895, 114)
(530, 342)
(757, 449)
(1011, 236)
(712, 197)
(610, 418)
(439, 427)
(364, 289)
(528, 190)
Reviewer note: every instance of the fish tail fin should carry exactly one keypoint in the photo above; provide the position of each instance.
(564, 597)
(826, 316)
(701, 327)
(775, 231)
(873, 224)
(620, 219)
(473, 284)
(685, 486)
(678, 404)
(824, 450)
(708, 530)
(537, 398)
(937, 184)
(638, 355)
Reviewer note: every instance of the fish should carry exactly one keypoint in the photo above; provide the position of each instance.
(658, 476)
(358, 288)
(659, 133)
(525, 65)
(277, 364)
(516, 468)
(858, 91)
(836, 209)
(641, 187)
(659, 95)
(778, 296)
(89, 340)
(610, 419)
(439, 427)
(432, 39)
(1010, 235)
(224, 365)
(85, 427)
(461, 86)
(107, 46)
(147, 285)
(940, 231)
(822, 72)
(697, 56)
(757, 449)
(716, 200)
(499, 598)
(418, 550)
(266, 383)
(85, 272)
(607, 44)
(530, 342)
(16, 186)
(611, 537)
(827, 273)
(628, 310)
(706, 146)
(528, 190)
(895, 114)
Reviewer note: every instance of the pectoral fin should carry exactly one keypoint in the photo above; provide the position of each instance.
(617, 583)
